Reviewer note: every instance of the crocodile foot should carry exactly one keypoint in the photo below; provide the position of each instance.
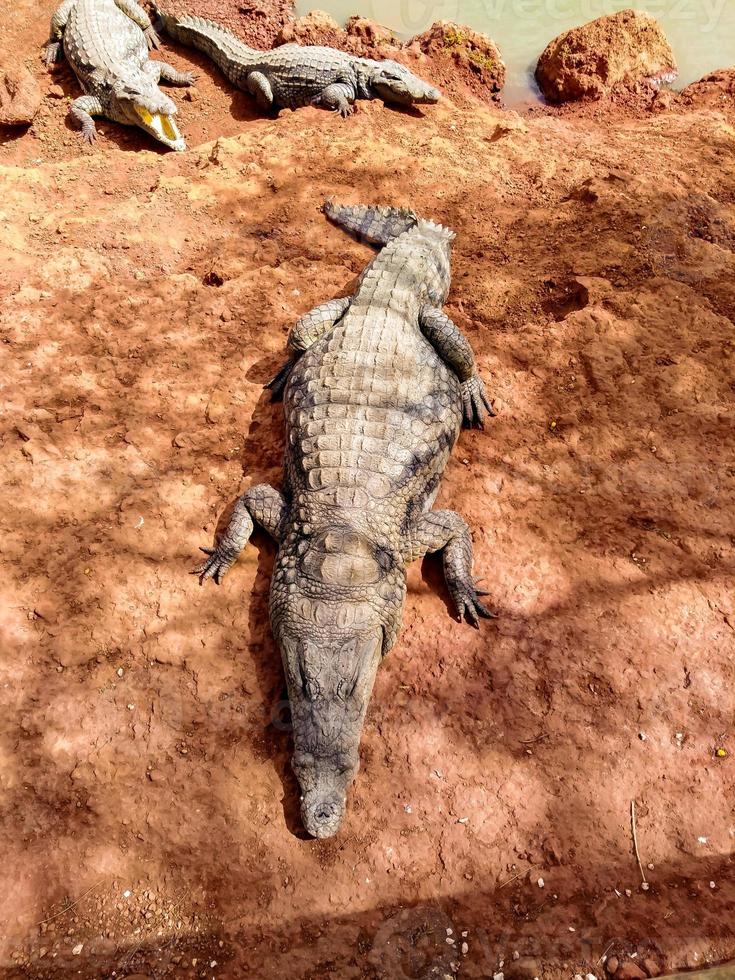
(152, 38)
(217, 565)
(89, 134)
(53, 53)
(475, 402)
(466, 599)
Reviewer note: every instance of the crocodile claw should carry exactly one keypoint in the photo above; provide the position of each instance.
(52, 54)
(475, 402)
(152, 38)
(219, 562)
(465, 596)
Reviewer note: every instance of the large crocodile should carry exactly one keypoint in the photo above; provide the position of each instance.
(106, 42)
(292, 75)
(375, 394)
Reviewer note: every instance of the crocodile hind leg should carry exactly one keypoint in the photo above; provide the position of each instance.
(81, 111)
(262, 504)
(167, 73)
(446, 531)
(312, 326)
(260, 88)
(136, 13)
(454, 349)
(54, 46)
(337, 97)
(374, 225)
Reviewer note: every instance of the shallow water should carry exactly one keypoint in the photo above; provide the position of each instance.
(701, 32)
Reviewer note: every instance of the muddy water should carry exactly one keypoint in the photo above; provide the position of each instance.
(702, 32)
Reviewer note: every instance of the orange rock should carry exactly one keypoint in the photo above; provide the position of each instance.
(20, 96)
(620, 50)
(469, 49)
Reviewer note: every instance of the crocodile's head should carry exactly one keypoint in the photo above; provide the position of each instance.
(152, 111)
(393, 82)
(329, 685)
(332, 639)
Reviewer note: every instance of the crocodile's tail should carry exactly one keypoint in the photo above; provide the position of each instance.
(371, 224)
(227, 50)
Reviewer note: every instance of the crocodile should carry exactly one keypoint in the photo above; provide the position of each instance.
(292, 75)
(106, 43)
(375, 392)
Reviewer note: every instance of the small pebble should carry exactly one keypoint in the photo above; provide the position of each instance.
(540, 882)
(120, 671)
(628, 892)
(701, 840)
(642, 736)
(645, 886)
(712, 884)
(465, 949)
(131, 707)
(77, 949)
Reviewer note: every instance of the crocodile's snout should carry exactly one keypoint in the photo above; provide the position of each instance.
(323, 816)
(428, 95)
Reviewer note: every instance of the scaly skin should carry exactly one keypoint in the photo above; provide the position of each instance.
(375, 394)
(292, 76)
(106, 42)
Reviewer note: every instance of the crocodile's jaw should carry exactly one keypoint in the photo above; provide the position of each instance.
(161, 127)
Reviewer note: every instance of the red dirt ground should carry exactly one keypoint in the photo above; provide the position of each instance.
(148, 815)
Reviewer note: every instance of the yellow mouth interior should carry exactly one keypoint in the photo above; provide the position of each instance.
(163, 126)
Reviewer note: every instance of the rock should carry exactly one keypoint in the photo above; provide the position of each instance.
(20, 96)
(623, 49)
(630, 971)
(371, 33)
(715, 90)
(612, 964)
(316, 27)
(467, 48)
(651, 967)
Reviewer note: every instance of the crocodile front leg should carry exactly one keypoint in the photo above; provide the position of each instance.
(309, 328)
(338, 97)
(136, 13)
(454, 349)
(167, 73)
(262, 504)
(54, 47)
(82, 110)
(446, 531)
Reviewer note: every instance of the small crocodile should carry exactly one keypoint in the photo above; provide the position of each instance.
(293, 75)
(375, 393)
(106, 42)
